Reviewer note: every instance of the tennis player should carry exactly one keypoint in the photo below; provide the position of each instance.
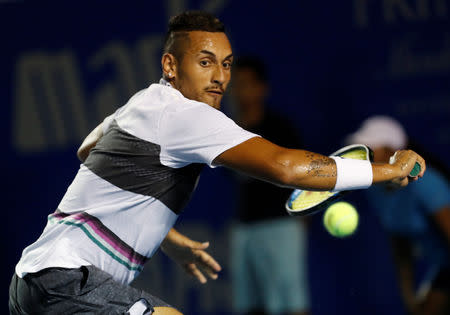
(140, 167)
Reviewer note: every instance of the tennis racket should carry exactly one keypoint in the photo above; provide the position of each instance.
(304, 202)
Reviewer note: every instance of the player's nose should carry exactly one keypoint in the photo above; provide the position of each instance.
(219, 76)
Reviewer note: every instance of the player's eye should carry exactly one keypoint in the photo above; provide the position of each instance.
(205, 63)
(227, 65)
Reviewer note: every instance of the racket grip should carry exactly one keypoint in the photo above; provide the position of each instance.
(415, 171)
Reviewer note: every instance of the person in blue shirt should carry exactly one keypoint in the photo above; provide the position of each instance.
(417, 219)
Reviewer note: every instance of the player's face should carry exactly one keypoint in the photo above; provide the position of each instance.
(204, 71)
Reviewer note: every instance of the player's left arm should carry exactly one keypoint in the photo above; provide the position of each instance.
(191, 255)
(89, 142)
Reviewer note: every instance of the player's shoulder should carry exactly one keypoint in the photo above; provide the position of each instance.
(163, 100)
(155, 98)
(163, 92)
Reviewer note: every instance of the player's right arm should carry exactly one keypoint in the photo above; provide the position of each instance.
(262, 159)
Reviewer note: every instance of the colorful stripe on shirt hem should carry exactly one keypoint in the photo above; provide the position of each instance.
(103, 237)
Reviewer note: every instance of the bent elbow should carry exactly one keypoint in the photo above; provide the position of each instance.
(286, 180)
(286, 174)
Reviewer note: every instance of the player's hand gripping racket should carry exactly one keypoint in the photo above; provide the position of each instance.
(304, 202)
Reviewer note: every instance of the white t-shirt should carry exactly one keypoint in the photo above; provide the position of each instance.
(134, 183)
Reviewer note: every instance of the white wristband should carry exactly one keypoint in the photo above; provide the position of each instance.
(352, 174)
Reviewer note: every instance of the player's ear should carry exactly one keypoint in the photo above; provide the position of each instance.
(169, 66)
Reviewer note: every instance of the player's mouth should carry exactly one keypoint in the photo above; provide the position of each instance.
(215, 92)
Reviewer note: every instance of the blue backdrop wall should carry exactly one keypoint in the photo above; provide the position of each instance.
(332, 64)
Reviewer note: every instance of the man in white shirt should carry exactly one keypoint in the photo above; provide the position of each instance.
(140, 166)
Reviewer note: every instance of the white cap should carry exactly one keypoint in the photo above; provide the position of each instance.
(380, 131)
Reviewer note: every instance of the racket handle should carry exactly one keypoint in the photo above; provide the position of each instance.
(415, 171)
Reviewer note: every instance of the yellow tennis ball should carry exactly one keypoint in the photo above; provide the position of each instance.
(341, 219)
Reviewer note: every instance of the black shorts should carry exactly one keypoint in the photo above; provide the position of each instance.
(85, 290)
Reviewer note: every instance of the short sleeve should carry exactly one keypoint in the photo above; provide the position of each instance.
(433, 190)
(197, 133)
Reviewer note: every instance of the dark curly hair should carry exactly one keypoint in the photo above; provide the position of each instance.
(181, 24)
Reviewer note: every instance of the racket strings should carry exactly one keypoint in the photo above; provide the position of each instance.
(309, 199)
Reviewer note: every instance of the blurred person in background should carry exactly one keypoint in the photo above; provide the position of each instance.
(268, 248)
(417, 219)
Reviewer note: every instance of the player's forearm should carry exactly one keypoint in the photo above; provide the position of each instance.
(266, 161)
(383, 172)
(317, 172)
